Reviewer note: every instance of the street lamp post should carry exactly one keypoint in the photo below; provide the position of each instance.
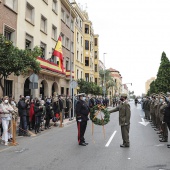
(104, 81)
(71, 79)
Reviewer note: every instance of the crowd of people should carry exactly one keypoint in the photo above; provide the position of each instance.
(157, 111)
(37, 114)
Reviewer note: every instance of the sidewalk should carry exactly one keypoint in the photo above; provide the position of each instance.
(65, 123)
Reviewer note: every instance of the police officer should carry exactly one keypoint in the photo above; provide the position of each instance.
(124, 119)
(82, 111)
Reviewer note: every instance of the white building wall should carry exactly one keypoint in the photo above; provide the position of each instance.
(23, 27)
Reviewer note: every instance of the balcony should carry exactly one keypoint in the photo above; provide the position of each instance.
(53, 69)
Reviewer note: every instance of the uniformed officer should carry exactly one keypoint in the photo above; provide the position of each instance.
(164, 128)
(82, 112)
(124, 119)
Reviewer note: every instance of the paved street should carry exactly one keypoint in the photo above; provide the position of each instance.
(58, 149)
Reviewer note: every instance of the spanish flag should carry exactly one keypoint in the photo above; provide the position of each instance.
(58, 53)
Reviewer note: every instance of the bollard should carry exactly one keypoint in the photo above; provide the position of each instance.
(14, 143)
(61, 119)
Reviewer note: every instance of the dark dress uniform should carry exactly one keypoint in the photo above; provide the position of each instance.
(82, 111)
(124, 121)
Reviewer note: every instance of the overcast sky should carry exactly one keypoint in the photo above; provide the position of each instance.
(133, 33)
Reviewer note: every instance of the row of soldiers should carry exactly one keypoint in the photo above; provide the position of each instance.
(157, 111)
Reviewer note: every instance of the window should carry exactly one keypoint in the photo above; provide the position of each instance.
(86, 29)
(72, 47)
(28, 42)
(29, 13)
(43, 49)
(87, 77)
(62, 15)
(67, 20)
(43, 24)
(8, 88)
(77, 37)
(77, 74)
(95, 54)
(72, 25)
(81, 58)
(54, 6)
(63, 39)
(81, 74)
(54, 59)
(86, 45)
(67, 91)
(9, 33)
(77, 20)
(54, 32)
(95, 68)
(96, 80)
(12, 4)
(80, 23)
(81, 40)
(86, 61)
(67, 65)
(95, 41)
(77, 55)
(62, 90)
(67, 43)
(90, 47)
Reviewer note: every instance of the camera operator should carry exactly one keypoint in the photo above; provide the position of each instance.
(22, 107)
(38, 110)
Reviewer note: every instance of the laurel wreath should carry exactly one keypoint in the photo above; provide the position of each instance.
(95, 111)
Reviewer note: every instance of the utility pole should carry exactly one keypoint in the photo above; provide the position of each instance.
(104, 81)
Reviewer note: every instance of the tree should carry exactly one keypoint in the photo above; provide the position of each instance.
(152, 88)
(162, 83)
(109, 81)
(104, 74)
(16, 61)
(89, 87)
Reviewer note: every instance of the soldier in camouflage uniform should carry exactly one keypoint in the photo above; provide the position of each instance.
(152, 109)
(163, 125)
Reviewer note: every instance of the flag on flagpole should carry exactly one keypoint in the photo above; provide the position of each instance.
(58, 53)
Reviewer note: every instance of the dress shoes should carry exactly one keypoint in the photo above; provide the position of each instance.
(156, 129)
(168, 145)
(86, 143)
(159, 132)
(82, 144)
(124, 146)
(163, 140)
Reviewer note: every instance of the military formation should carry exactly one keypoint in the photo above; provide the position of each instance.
(157, 111)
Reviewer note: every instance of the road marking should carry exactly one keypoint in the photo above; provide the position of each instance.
(5, 149)
(143, 122)
(109, 141)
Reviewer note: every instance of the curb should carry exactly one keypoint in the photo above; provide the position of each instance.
(69, 122)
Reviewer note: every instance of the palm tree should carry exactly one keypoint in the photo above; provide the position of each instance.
(109, 81)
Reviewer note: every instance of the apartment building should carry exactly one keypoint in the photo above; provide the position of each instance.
(96, 59)
(38, 24)
(8, 27)
(117, 89)
(147, 84)
(68, 16)
(88, 49)
(79, 43)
